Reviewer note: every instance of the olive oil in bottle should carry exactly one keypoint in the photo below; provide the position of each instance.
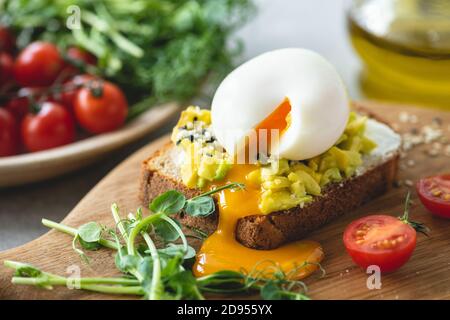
(405, 47)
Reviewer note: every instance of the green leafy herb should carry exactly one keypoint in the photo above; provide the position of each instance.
(160, 273)
(91, 246)
(200, 207)
(169, 202)
(203, 205)
(27, 270)
(175, 249)
(168, 48)
(90, 232)
(166, 231)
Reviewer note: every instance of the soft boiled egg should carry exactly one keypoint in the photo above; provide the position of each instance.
(295, 91)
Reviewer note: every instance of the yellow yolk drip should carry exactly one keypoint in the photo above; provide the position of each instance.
(221, 251)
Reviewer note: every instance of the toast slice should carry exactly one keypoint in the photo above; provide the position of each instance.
(161, 173)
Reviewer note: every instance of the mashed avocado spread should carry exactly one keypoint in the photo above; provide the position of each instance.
(284, 183)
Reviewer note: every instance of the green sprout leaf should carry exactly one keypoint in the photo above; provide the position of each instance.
(169, 202)
(90, 232)
(177, 249)
(126, 263)
(165, 231)
(185, 285)
(91, 246)
(200, 207)
(27, 270)
(270, 291)
(145, 268)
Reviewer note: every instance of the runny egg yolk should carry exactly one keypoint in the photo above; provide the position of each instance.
(277, 120)
(221, 251)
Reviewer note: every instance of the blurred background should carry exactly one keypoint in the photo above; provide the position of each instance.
(402, 54)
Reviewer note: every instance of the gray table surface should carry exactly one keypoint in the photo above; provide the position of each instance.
(318, 25)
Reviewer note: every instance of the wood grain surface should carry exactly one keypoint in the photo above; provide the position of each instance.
(425, 276)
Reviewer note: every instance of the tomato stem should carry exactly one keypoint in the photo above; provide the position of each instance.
(96, 88)
(405, 216)
(418, 226)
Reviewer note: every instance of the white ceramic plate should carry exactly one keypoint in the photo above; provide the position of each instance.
(32, 167)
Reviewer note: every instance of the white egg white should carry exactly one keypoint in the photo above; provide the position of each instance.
(319, 102)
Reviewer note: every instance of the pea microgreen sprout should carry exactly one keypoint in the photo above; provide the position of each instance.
(156, 272)
(27, 274)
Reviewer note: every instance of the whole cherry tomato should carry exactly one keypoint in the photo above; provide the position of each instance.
(71, 88)
(9, 134)
(434, 192)
(52, 126)
(82, 55)
(38, 65)
(19, 106)
(102, 107)
(6, 69)
(77, 58)
(7, 40)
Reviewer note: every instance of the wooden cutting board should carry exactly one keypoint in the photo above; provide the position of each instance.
(425, 276)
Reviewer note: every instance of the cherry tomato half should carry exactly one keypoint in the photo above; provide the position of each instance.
(51, 127)
(6, 69)
(9, 134)
(101, 108)
(434, 192)
(7, 40)
(380, 240)
(38, 65)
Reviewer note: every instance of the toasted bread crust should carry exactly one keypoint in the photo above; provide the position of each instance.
(272, 230)
(153, 183)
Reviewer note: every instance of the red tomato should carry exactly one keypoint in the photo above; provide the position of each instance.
(81, 55)
(9, 137)
(70, 89)
(51, 127)
(7, 41)
(77, 58)
(101, 108)
(38, 65)
(434, 192)
(6, 68)
(380, 240)
(20, 105)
